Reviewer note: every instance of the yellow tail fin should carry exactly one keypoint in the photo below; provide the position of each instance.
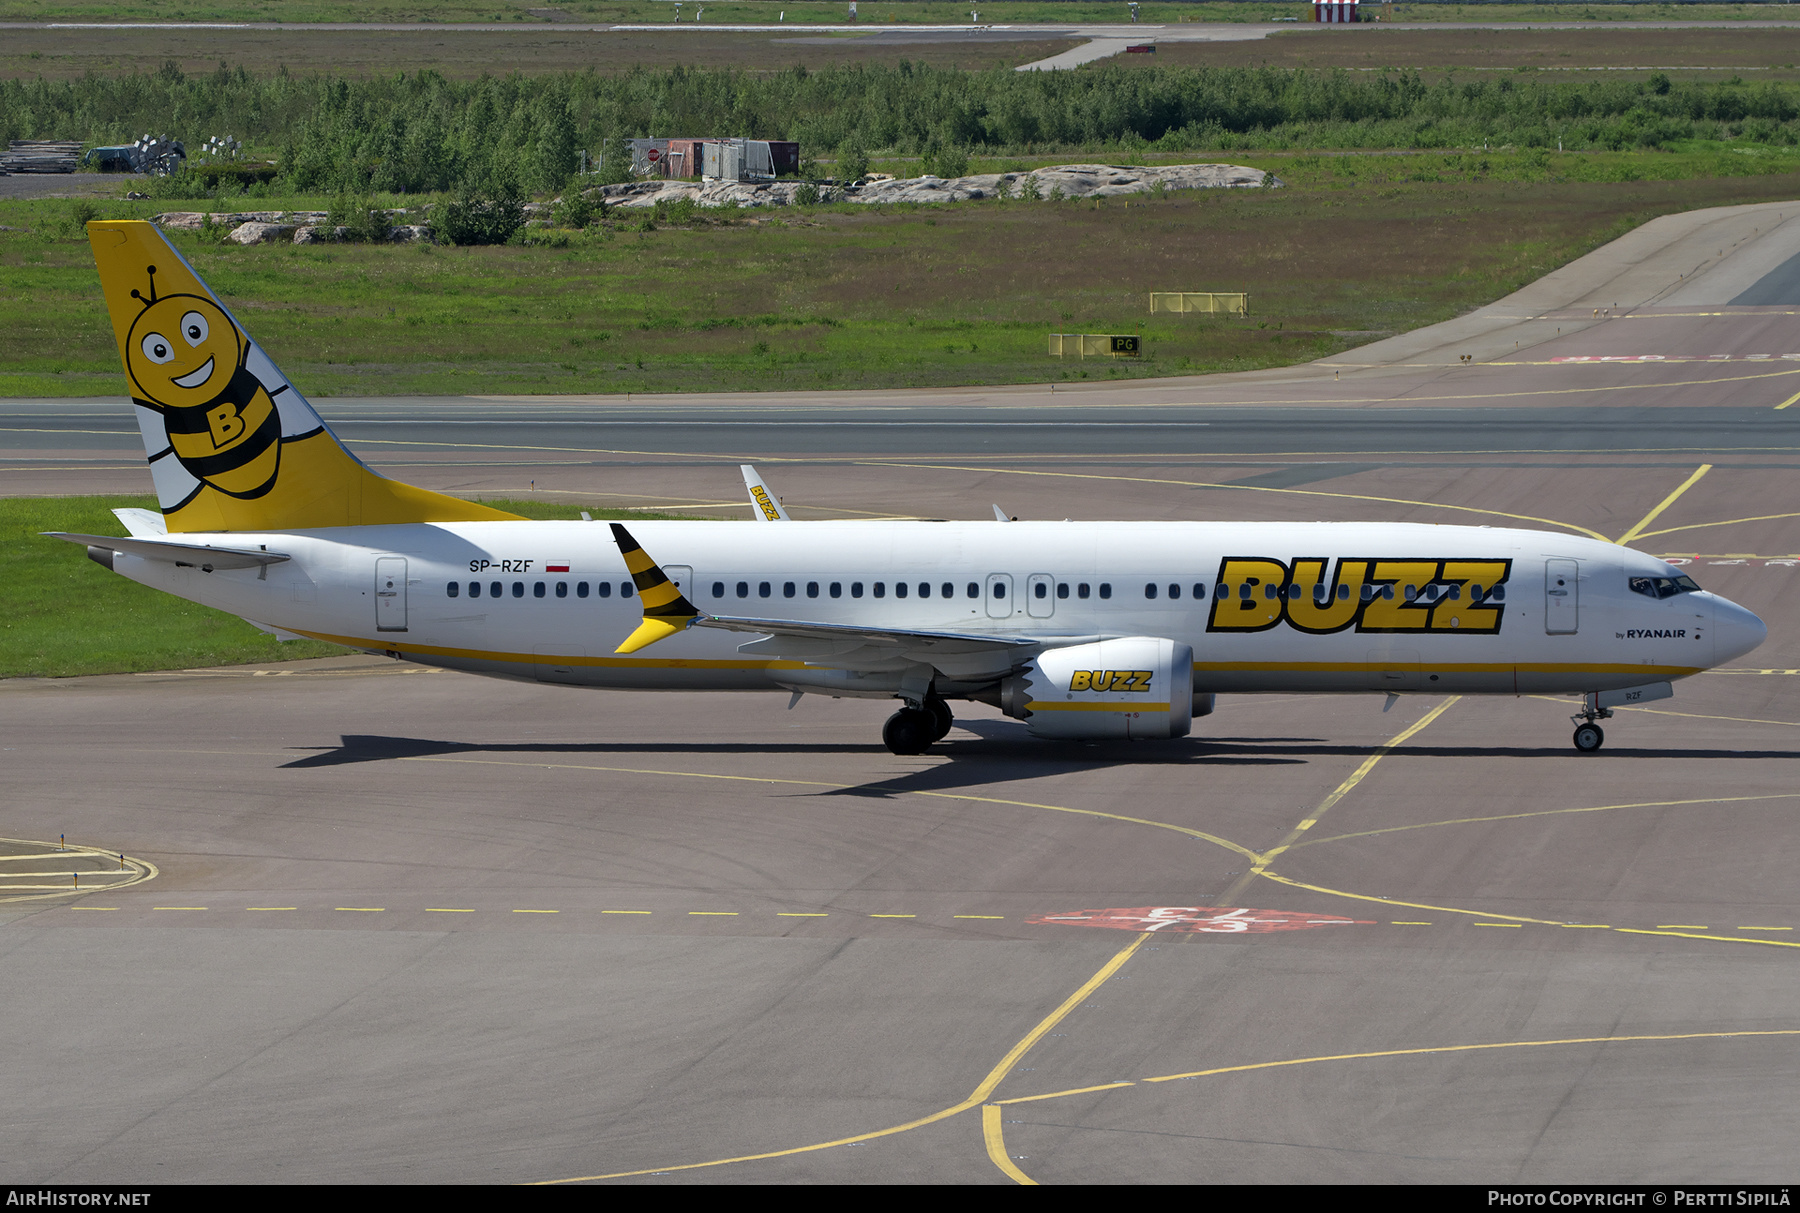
(233, 446)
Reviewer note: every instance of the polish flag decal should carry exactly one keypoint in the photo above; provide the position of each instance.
(556, 568)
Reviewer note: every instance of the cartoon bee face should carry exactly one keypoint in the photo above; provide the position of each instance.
(186, 360)
(182, 351)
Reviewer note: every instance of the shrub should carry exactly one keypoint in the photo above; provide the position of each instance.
(853, 163)
(576, 209)
(806, 195)
(945, 160)
(478, 218)
(360, 219)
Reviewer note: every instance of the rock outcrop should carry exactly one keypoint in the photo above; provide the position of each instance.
(1064, 180)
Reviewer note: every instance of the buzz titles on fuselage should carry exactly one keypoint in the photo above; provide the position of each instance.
(187, 361)
(1256, 593)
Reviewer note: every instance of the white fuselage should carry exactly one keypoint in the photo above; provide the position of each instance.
(550, 601)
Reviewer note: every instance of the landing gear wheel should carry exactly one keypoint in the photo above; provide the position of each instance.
(1588, 738)
(940, 712)
(909, 731)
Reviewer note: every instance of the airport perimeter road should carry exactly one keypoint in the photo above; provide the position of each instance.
(410, 926)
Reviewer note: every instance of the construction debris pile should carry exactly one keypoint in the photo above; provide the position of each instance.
(41, 156)
(1063, 180)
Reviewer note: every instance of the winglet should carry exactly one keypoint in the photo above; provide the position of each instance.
(765, 505)
(666, 611)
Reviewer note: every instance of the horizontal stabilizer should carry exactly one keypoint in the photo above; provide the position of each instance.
(192, 555)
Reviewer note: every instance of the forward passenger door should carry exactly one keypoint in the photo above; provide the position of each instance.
(1562, 596)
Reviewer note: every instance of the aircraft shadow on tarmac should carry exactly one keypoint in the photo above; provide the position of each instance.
(994, 744)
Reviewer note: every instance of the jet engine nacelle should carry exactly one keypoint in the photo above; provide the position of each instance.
(1139, 687)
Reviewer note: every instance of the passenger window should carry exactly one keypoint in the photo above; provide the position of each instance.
(1321, 592)
(562, 589)
(1497, 594)
(518, 589)
(1412, 593)
(537, 589)
(1041, 590)
(1271, 590)
(603, 589)
(1062, 589)
(625, 588)
(1387, 592)
(787, 589)
(947, 590)
(1293, 592)
(743, 589)
(1368, 592)
(924, 589)
(899, 590)
(812, 589)
(474, 589)
(974, 589)
(453, 589)
(999, 589)
(1456, 593)
(1174, 591)
(1082, 590)
(1106, 589)
(856, 589)
(495, 589)
(718, 589)
(837, 589)
(764, 589)
(1150, 589)
(581, 589)
(881, 589)
(1343, 593)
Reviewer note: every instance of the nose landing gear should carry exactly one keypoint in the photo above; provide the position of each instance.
(1589, 736)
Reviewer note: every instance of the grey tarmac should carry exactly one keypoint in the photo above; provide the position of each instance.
(413, 926)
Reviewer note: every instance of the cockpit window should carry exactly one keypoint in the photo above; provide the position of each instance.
(1663, 587)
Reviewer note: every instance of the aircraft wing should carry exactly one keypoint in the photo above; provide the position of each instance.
(828, 645)
(849, 646)
(765, 506)
(194, 555)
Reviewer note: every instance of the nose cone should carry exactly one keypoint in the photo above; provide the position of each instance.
(1735, 631)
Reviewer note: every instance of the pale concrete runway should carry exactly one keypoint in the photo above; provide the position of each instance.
(770, 934)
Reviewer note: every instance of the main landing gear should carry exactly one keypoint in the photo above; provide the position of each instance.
(912, 730)
(1589, 736)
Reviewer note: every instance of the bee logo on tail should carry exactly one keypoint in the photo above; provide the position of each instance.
(233, 446)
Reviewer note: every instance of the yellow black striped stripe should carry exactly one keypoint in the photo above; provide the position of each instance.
(666, 610)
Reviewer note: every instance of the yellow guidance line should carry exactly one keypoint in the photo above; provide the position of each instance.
(1788, 402)
(1259, 864)
(996, 1146)
(1664, 504)
(976, 1099)
(1509, 1044)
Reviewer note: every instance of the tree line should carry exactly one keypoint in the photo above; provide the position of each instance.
(425, 132)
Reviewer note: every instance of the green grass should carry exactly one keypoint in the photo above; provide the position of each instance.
(870, 13)
(857, 297)
(62, 615)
